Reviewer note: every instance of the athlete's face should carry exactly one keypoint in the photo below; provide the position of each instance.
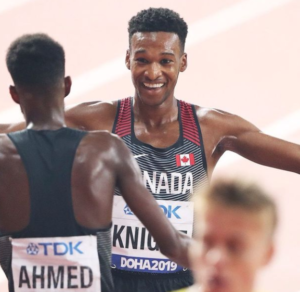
(231, 245)
(155, 60)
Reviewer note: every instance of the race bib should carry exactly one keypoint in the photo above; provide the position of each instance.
(56, 264)
(134, 249)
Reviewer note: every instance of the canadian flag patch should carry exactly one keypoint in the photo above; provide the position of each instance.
(185, 159)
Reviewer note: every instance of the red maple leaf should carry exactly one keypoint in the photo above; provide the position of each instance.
(184, 159)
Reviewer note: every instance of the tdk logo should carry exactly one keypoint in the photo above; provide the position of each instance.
(127, 210)
(32, 249)
(55, 248)
(170, 211)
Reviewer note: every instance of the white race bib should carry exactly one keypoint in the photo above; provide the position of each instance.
(134, 249)
(56, 264)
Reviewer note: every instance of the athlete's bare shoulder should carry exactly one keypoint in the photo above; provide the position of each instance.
(7, 149)
(90, 116)
(104, 143)
(219, 129)
(206, 114)
(101, 138)
(221, 121)
(7, 128)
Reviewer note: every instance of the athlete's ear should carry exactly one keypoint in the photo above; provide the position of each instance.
(269, 254)
(68, 84)
(14, 95)
(183, 62)
(127, 59)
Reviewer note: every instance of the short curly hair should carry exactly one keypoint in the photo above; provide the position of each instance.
(35, 60)
(158, 19)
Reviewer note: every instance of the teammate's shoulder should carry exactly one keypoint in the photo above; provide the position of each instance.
(205, 113)
(92, 106)
(3, 138)
(106, 144)
(103, 136)
(224, 122)
(94, 115)
(6, 146)
(211, 114)
(7, 128)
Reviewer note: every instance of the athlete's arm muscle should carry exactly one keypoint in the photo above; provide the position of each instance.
(87, 116)
(7, 128)
(90, 116)
(262, 148)
(171, 242)
(73, 115)
(233, 133)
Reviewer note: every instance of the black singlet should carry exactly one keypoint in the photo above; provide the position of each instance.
(48, 159)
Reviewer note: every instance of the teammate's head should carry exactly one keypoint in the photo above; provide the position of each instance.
(156, 54)
(35, 60)
(235, 223)
(158, 20)
(37, 66)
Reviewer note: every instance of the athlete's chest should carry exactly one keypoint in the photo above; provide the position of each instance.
(169, 172)
(178, 165)
(161, 136)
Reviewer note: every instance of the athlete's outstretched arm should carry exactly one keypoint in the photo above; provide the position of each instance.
(7, 128)
(90, 116)
(171, 242)
(243, 138)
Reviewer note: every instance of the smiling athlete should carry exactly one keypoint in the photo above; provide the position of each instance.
(177, 146)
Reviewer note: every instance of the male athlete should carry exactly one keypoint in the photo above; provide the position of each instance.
(234, 232)
(176, 145)
(57, 185)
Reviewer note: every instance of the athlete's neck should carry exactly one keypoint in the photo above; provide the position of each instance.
(49, 121)
(155, 115)
(44, 115)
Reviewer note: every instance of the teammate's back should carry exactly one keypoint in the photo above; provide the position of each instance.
(45, 164)
(88, 165)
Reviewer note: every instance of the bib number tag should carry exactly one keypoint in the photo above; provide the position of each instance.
(134, 249)
(56, 264)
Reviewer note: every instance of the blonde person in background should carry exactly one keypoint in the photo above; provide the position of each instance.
(235, 223)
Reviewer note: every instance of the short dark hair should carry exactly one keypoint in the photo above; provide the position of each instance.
(239, 194)
(35, 60)
(158, 19)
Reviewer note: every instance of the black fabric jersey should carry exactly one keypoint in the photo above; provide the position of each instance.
(172, 175)
(48, 158)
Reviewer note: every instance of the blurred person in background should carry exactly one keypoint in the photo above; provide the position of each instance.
(234, 236)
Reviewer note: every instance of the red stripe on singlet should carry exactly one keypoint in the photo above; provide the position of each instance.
(123, 127)
(189, 127)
